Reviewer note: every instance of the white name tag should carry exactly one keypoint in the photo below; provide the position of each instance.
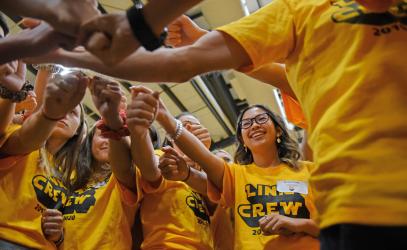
(292, 186)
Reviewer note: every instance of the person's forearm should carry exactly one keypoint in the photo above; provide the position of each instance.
(275, 75)
(161, 65)
(31, 136)
(29, 8)
(121, 162)
(41, 81)
(159, 13)
(12, 48)
(143, 156)
(7, 112)
(195, 150)
(308, 226)
(214, 51)
(197, 180)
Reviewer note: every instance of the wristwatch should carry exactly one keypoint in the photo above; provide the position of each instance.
(142, 31)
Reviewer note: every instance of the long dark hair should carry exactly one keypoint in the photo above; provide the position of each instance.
(85, 167)
(288, 150)
(65, 160)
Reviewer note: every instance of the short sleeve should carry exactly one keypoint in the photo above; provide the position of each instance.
(267, 35)
(7, 162)
(9, 131)
(225, 197)
(129, 197)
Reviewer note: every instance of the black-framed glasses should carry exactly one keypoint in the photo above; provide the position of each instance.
(259, 119)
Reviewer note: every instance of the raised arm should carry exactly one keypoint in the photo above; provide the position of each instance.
(111, 38)
(65, 16)
(106, 96)
(187, 142)
(32, 42)
(214, 51)
(183, 31)
(62, 95)
(175, 167)
(140, 115)
(12, 82)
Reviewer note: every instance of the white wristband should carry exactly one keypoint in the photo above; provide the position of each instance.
(178, 131)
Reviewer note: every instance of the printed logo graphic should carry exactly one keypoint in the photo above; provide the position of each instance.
(198, 206)
(351, 12)
(265, 199)
(50, 191)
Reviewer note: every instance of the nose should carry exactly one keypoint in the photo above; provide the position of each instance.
(255, 125)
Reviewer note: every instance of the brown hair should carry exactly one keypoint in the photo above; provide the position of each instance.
(288, 150)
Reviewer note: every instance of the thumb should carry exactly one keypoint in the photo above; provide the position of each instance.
(156, 94)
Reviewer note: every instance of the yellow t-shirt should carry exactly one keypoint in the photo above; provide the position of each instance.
(175, 217)
(348, 69)
(25, 192)
(255, 192)
(100, 216)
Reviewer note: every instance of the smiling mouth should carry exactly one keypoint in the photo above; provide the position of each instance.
(257, 134)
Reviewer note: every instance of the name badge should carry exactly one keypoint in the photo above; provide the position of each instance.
(292, 186)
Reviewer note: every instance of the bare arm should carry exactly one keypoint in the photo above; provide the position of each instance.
(194, 149)
(32, 8)
(61, 97)
(183, 31)
(31, 136)
(13, 82)
(198, 181)
(139, 117)
(275, 75)
(32, 42)
(7, 112)
(214, 51)
(143, 155)
(106, 96)
(308, 226)
(41, 80)
(121, 163)
(160, 13)
(275, 223)
(65, 16)
(174, 167)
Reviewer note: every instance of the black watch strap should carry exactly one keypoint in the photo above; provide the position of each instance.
(142, 31)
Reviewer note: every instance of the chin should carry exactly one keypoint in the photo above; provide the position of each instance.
(60, 132)
(255, 143)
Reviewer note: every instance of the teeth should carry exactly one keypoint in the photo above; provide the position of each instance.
(257, 134)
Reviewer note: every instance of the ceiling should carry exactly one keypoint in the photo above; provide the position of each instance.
(216, 98)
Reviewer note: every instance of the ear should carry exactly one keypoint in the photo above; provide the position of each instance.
(279, 132)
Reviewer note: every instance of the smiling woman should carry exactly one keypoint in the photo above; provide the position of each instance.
(259, 129)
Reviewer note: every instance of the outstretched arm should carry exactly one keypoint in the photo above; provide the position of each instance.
(106, 96)
(214, 51)
(139, 118)
(62, 95)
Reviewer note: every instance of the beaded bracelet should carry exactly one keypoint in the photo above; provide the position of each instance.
(18, 96)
